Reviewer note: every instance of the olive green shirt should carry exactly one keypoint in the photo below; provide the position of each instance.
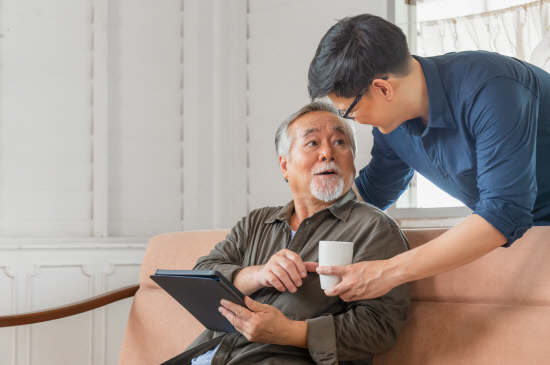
(337, 332)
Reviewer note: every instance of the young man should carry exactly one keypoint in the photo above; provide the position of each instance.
(477, 124)
(268, 253)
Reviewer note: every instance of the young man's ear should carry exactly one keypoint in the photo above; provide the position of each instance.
(384, 88)
(282, 163)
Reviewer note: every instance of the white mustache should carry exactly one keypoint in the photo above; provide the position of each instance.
(330, 166)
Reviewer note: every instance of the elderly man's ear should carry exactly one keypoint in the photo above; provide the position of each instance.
(282, 163)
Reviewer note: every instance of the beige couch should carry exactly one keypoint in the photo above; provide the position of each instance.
(493, 311)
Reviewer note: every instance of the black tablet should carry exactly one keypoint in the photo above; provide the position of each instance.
(200, 292)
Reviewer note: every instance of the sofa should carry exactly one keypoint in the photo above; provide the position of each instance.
(495, 310)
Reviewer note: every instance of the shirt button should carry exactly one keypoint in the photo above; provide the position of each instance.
(470, 201)
(446, 176)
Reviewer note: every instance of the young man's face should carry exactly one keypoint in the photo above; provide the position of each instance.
(320, 163)
(373, 109)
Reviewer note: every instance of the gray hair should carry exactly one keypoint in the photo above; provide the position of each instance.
(283, 140)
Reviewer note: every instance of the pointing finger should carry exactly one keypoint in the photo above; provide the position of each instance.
(300, 267)
(311, 266)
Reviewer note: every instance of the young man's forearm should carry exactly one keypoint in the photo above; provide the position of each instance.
(469, 240)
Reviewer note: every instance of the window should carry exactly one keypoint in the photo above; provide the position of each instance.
(511, 27)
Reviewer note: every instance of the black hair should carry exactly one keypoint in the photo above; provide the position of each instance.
(355, 51)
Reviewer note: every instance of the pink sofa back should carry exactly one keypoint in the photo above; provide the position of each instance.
(494, 310)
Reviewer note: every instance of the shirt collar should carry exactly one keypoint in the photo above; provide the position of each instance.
(440, 113)
(341, 209)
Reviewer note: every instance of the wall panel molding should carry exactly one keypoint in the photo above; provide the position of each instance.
(39, 269)
(12, 299)
(36, 269)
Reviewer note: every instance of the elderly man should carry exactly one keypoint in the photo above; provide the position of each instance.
(269, 253)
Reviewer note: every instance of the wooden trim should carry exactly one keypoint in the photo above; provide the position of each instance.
(70, 309)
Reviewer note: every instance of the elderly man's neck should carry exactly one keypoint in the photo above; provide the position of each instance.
(306, 207)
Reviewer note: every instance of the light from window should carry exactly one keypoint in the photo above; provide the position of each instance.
(424, 194)
(430, 196)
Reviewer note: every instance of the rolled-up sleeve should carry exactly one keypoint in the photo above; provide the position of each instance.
(322, 348)
(367, 327)
(386, 176)
(503, 117)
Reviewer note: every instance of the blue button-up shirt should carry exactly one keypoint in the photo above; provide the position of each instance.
(487, 142)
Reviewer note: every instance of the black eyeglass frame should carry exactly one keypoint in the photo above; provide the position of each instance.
(356, 100)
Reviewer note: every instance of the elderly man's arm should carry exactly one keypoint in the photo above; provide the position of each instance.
(264, 323)
(227, 255)
(366, 327)
(284, 270)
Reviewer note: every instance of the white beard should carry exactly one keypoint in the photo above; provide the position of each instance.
(327, 189)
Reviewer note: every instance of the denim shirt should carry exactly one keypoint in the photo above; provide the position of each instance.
(487, 142)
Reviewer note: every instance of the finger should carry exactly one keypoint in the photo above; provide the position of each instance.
(311, 266)
(282, 275)
(238, 310)
(347, 296)
(336, 290)
(253, 305)
(331, 270)
(274, 281)
(292, 271)
(297, 260)
(228, 314)
(232, 318)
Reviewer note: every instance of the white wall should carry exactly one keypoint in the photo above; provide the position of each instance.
(131, 118)
(282, 39)
(122, 119)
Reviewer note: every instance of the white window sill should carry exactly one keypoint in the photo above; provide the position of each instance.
(428, 222)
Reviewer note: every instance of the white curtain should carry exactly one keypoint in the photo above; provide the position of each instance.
(520, 31)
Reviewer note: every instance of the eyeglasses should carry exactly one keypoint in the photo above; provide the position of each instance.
(346, 115)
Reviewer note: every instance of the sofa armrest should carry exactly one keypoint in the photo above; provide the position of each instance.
(69, 309)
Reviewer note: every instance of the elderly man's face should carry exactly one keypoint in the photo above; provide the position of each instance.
(320, 163)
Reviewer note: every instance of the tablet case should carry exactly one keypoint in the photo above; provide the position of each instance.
(200, 292)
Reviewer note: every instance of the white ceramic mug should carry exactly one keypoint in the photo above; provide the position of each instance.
(334, 253)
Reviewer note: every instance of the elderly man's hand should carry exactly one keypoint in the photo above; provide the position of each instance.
(264, 323)
(285, 271)
(362, 280)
